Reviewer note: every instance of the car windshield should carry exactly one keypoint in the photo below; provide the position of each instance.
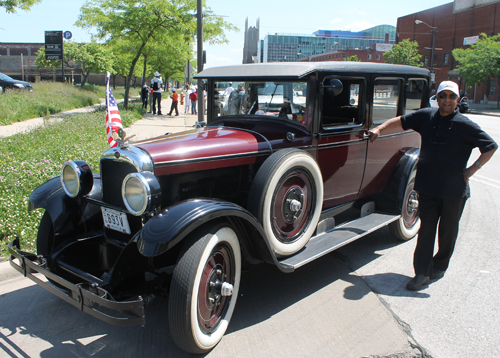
(275, 100)
(5, 77)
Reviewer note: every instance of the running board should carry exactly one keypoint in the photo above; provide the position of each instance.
(343, 234)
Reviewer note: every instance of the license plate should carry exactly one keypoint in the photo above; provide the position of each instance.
(115, 220)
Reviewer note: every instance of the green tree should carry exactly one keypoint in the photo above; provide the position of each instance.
(12, 5)
(89, 57)
(404, 53)
(353, 58)
(139, 23)
(480, 62)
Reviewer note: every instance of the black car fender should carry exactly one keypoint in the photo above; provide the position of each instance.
(392, 197)
(170, 227)
(69, 215)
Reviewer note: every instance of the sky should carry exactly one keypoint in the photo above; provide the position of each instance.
(290, 17)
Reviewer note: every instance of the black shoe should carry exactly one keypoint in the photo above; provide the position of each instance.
(437, 274)
(159, 113)
(417, 282)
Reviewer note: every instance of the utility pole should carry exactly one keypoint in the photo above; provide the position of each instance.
(199, 18)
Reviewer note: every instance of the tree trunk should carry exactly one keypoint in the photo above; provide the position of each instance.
(129, 77)
(85, 76)
(144, 70)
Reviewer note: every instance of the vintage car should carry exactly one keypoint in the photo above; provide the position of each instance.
(179, 215)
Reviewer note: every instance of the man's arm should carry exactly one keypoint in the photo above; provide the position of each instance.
(392, 123)
(483, 159)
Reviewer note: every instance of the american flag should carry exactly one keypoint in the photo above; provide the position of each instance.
(113, 119)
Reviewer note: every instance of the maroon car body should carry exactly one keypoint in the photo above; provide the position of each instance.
(282, 172)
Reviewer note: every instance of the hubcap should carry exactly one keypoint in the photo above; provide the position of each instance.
(410, 212)
(216, 288)
(291, 209)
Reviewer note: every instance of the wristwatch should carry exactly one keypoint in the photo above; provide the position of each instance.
(478, 164)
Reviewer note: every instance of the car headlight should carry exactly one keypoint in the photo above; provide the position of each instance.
(19, 85)
(141, 192)
(76, 178)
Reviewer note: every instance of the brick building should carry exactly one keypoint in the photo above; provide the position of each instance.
(454, 29)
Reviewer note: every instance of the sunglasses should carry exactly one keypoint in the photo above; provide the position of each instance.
(451, 96)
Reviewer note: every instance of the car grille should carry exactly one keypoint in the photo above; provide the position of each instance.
(112, 174)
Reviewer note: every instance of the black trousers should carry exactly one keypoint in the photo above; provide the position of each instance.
(174, 106)
(434, 211)
(156, 98)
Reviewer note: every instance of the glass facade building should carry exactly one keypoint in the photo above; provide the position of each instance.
(293, 47)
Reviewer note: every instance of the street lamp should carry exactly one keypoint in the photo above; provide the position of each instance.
(434, 31)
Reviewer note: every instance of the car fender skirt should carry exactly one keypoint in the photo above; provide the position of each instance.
(172, 225)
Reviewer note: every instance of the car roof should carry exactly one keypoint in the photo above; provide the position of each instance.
(301, 69)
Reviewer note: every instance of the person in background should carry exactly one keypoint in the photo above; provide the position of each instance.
(188, 100)
(442, 179)
(229, 89)
(175, 102)
(150, 89)
(157, 84)
(235, 99)
(144, 96)
(193, 97)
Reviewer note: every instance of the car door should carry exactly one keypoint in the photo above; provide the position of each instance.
(341, 144)
(385, 152)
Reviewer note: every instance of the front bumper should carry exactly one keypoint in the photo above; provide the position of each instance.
(85, 296)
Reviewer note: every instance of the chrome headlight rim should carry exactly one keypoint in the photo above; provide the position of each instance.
(79, 180)
(76, 170)
(146, 193)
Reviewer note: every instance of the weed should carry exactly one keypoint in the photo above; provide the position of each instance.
(28, 160)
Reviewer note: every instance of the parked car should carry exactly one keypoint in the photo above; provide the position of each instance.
(180, 215)
(433, 103)
(7, 82)
(463, 104)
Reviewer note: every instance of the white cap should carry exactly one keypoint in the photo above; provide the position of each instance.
(157, 74)
(174, 90)
(448, 86)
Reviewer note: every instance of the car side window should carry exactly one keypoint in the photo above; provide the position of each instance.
(341, 109)
(385, 99)
(414, 93)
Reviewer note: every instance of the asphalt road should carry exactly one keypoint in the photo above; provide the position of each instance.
(351, 303)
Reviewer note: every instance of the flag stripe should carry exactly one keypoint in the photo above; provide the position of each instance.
(113, 119)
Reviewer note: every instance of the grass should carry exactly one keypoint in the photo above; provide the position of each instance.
(118, 92)
(28, 160)
(50, 98)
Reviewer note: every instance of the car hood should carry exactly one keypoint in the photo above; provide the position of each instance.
(204, 148)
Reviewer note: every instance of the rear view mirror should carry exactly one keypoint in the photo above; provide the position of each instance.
(335, 84)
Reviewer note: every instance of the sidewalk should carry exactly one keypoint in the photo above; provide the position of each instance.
(154, 125)
(484, 109)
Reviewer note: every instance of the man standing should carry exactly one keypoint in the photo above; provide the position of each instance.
(235, 99)
(442, 179)
(156, 84)
(175, 102)
(229, 89)
(193, 97)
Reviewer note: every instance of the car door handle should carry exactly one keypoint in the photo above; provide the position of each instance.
(366, 136)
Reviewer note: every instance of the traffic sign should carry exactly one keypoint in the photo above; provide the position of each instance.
(53, 45)
(68, 35)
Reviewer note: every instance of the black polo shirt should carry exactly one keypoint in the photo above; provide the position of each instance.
(447, 143)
